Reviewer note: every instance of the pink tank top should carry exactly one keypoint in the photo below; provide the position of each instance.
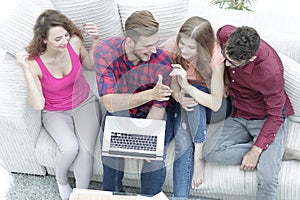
(65, 93)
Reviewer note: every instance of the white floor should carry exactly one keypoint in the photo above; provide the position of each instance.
(5, 182)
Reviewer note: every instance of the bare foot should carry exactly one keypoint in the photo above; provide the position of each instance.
(198, 176)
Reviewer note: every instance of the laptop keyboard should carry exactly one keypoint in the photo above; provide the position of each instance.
(133, 141)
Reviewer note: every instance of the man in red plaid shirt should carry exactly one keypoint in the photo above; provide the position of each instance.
(133, 76)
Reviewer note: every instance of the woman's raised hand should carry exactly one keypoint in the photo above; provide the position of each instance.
(91, 29)
(22, 60)
(180, 73)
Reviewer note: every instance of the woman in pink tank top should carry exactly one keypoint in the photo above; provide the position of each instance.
(52, 66)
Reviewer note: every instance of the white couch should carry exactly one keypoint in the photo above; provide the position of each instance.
(25, 147)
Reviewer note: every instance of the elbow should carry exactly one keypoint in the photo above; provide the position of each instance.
(38, 106)
(216, 107)
(108, 108)
(107, 104)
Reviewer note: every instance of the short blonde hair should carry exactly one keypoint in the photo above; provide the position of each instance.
(141, 23)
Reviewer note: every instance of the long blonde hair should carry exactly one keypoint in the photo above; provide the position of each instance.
(201, 31)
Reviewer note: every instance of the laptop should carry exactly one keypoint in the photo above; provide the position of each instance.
(137, 138)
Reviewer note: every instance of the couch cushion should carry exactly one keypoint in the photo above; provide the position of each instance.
(229, 182)
(101, 12)
(292, 83)
(287, 45)
(17, 29)
(170, 14)
(20, 124)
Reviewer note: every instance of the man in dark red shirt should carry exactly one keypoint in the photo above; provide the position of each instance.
(255, 134)
(133, 77)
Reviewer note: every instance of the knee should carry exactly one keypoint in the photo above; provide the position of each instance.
(87, 151)
(183, 139)
(69, 148)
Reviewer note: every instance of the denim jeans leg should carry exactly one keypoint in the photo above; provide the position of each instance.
(170, 123)
(112, 173)
(153, 177)
(113, 168)
(236, 140)
(182, 174)
(232, 144)
(154, 173)
(183, 163)
(269, 167)
(196, 121)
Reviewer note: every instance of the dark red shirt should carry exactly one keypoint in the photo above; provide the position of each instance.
(257, 89)
(115, 74)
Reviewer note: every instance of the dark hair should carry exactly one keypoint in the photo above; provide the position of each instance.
(201, 31)
(141, 23)
(242, 43)
(47, 19)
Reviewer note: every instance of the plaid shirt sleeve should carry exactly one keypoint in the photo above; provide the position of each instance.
(105, 74)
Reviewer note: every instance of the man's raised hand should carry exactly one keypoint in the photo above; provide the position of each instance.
(161, 92)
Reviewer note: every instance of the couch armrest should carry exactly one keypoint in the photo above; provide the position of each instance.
(20, 124)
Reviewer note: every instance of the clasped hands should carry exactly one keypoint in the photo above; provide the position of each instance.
(180, 84)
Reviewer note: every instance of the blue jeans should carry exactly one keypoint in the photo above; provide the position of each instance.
(236, 139)
(189, 127)
(152, 176)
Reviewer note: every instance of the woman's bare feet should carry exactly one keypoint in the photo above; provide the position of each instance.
(199, 165)
(198, 176)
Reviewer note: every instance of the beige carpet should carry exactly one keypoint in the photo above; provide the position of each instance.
(5, 183)
(29, 187)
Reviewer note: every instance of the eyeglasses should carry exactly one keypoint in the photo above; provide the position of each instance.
(232, 63)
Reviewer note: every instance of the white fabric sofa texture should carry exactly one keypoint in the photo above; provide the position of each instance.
(25, 146)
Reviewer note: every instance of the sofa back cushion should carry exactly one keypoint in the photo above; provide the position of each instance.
(104, 13)
(292, 83)
(17, 28)
(169, 13)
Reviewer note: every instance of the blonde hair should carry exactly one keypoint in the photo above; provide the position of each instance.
(141, 23)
